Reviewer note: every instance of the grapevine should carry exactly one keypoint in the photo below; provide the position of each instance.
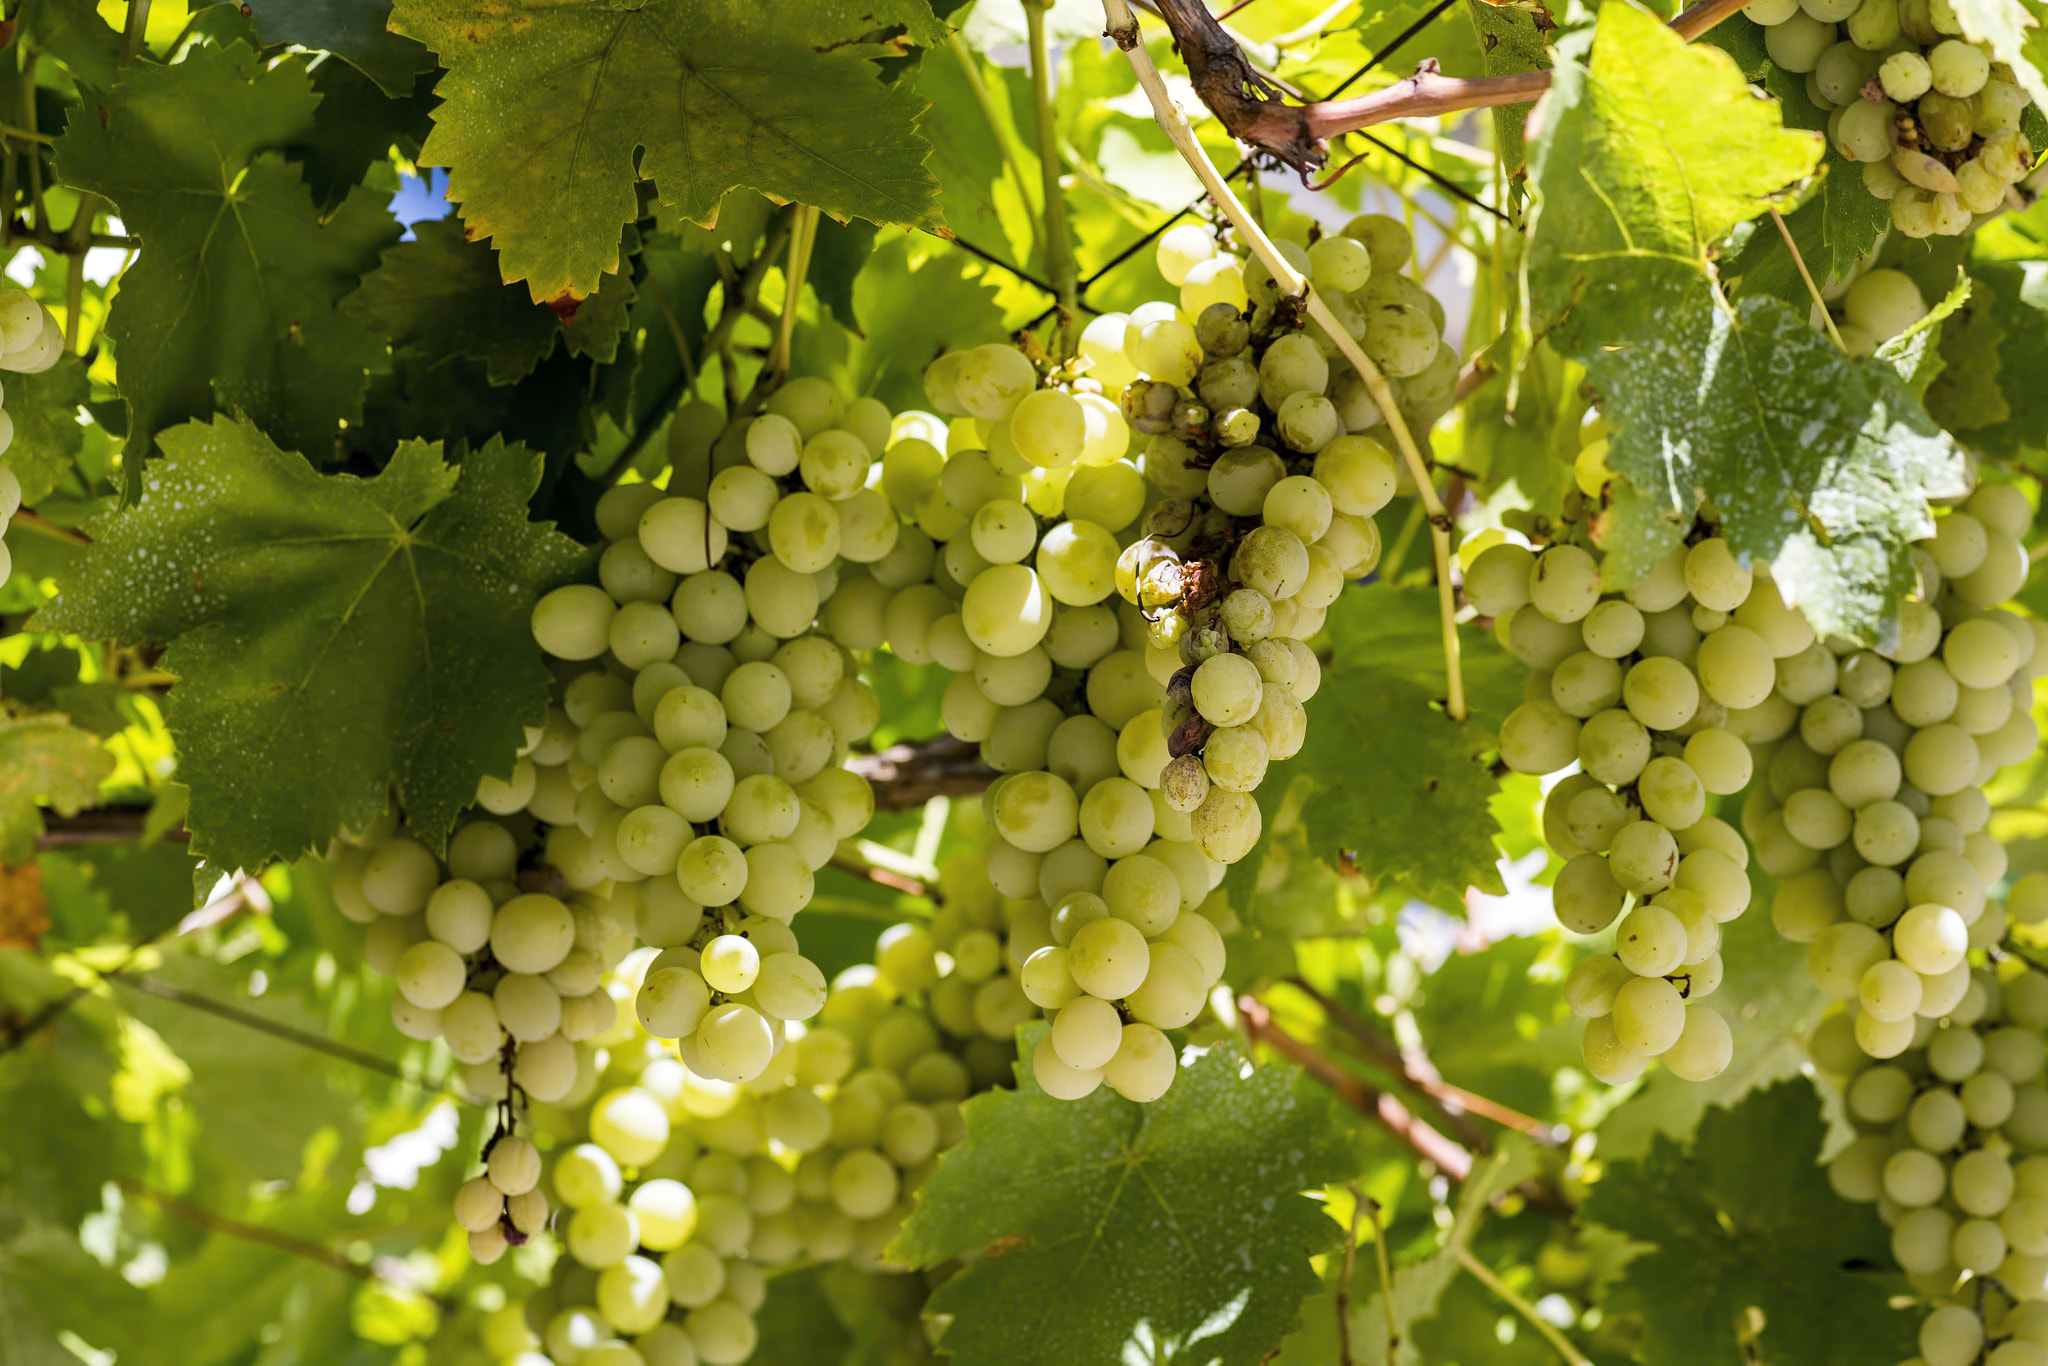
(935, 683)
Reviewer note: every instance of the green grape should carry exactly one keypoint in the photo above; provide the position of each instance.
(1497, 583)
(1144, 1064)
(1607, 1057)
(1735, 667)
(1796, 44)
(1590, 987)
(1007, 610)
(1539, 737)
(1645, 856)
(1213, 283)
(1704, 1047)
(1291, 365)
(1671, 793)
(1239, 480)
(1226, 825)
(1661, 693)
(1057, 1079)
(1841, 72)
(1651, 941)
(1087, 1033)
(1221, 328)
(1586, 896)
(1586, 683)
(1612, 746)
(1307, 422)
(1049, 428)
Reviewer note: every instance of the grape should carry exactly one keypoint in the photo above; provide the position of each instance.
(1651, 942)
(1645, 857)
(1661, 693)
(1539, 737)
(1056, 1078)
(1086, 1033)
(1143, 1066)
(1564, 583)
(1607, 1058)
(1704, 1047)
(1586, 896)
(532, 933)
(1227, 689)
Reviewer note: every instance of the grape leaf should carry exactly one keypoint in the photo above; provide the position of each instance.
(1967, 393)
(700, 96)
(44, 759)
(1633, 190)
(355, 128)
(353, 30)
(441, 295)
(373, 632)
(230, 305)
(2017, 303)
(1817, 463)
(1169, 1232)
(1511, 37)
(1747, 1221)
(47, 437)
(1376, 784)
(73, 32)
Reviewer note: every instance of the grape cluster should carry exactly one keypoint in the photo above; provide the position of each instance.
(1933, 121)
(1642, 690)
(30, 342)
(510, 980)
(1116, 814)
(1952, 1147)
(690, 1190)
(693, 766)
(1871, 814)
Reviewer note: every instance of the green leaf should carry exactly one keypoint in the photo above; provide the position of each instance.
(73, 32)
(1169, 1232)
(440, 295)
(549, 116)
(837, 257)
(47, 436)
(231, 303)
(44, 759)
(1967, 394)
(355, 128)
(1634, 187)
(2016, 298)
(1511, 37)
(1378, 780)
(1747, 1221)
(1816, 463)
(373, 632)
(353, 30)
(1820, 464)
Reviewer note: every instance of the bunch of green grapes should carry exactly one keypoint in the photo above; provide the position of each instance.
(690, 1191)
(1931, 118)
(1645, 691)
(1130, 735)
(1952, 1147)
(510, 980)
(30, 342)
(1870, 813)
(693, 769)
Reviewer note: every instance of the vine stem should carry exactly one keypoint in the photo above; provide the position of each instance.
(1827, 319)
(1123, 27)
(802, 235)
(1484, 1275)
(1059, 242)
(1379, 1249)
(42, 527)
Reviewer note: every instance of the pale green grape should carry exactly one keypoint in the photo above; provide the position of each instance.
(1087, 1032)
(1889, 991)
(1886, 832)
(1864, 132)
(1108, 958)
(1704, 1047)
(1227, 689)
(782, 601)
(1144, 891)
(1564, 583)
(1539, 737)
(1213, 283)
(1585, 683)
(1226, 825)
(532, 933)
(1719, 759)
(1007, 609)
(1840, 954)
(1055, 1078)
(1612, 629)
(1174, 989)
(1644, 858)
(1671, 793)
(1047, 981)
(1180, 249)
(1586, 896)
(1607, 1057)
(1941, 759)
(1735, 667)
(478, 1204)
(1661, 693)
(1612, 746)
(1143, 1066)
(1077, 563)
(528, 1008)
(1651, 941)
(1591, 986)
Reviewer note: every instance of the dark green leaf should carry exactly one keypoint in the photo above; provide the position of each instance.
(231, 303)
(550, 116)
(1173, 1230)
(371, 631)
(353, 30)
(355, 128)
(47, 437)
(1747, 1221)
